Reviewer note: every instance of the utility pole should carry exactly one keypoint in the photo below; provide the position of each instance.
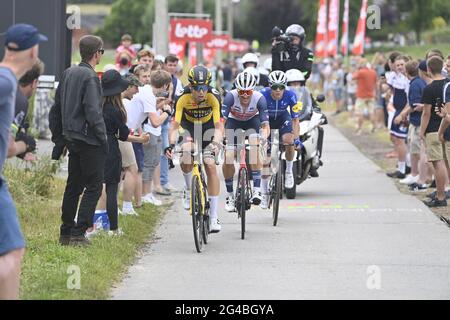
(230, 18)
(161, 27)
(199, 10)
(219, 27)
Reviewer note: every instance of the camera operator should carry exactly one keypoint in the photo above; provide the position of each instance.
(288, 51)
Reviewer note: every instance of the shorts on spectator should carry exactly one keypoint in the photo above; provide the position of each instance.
(11, 237)
(436, 150)
(398, 130)
(414, 139)
(139, 154)
(361, 104)
(152, 157)
(127, 152)
(338, 93)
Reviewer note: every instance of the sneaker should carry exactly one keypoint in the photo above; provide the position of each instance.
(115, 233)
(214, 226)
(79, 241)
(230, 204)
(162, 191)
(397, 175)
(289, 180)
(64, 240)
(432, 195)
(170, 188)
(313, 173)
(415, 187)
(150, 198)
(256, 197)
(264, 201)
(187, 199)
(409, 179)
(129, 212)
(436, 203)
(90, 233)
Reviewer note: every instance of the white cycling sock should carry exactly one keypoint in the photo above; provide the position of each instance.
(265, 185)
(213, 207)
(289, 165)
(187, 180)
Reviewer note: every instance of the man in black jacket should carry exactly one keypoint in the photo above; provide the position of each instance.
(76, 122)
(288, 51)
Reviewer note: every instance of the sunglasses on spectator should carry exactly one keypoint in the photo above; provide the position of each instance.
(278, 87)
(201, 87)
(245, 92)
(102, 51)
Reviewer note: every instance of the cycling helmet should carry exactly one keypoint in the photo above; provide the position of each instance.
(245, 81)
(294, 75)
(277, 77)
(249, 57)
(199, 75)
(296, 30)
(254, 72)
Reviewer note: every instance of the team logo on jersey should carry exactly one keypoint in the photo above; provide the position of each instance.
(199, 113)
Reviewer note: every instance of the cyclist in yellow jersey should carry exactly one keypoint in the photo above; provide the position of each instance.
(197, 111)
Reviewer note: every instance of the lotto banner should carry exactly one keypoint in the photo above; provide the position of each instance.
(358, 44)
(220, 42)
(208, 54)
(344, 40)
(191, 30)
(321, 35)
(333, 28)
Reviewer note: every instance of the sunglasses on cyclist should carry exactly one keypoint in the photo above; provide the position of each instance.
(201, 87)
(245, 92)
(278, 87)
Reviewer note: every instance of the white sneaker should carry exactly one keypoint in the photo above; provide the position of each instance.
(264, 201)
(214, 226)
(92, 233)
(115, 233)
(129, 212)
(156, 201)
(289, 180)
(256, 196)
(410, 179)
(170, 188)
(187, 199)
(230, 204)
(150, 198)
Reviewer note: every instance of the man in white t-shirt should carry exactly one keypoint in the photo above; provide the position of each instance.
(156, 99)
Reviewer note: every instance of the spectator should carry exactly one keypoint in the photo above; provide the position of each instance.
(115, 117)
(429, 127)
(129, 164)
(227, 75)
(27, 87)
(399, 129)
(366, 80)
(137, 113)
(159, 112)
(145, 57)
(125, 47)
(124, 59)
(351, 91)
(158, 65)
(21, 53)
(413, 110)
(77, 118)
(337, 85)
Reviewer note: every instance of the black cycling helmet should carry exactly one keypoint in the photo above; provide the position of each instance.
(199, 75)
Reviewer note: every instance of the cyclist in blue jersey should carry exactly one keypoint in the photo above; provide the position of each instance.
(283, 116)
(246, 116)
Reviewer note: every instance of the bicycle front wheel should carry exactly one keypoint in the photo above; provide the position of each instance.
(242, 198)
(197, 213)
(277, 195)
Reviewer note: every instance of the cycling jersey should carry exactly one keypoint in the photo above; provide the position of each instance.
(233, 109)
(288, 104)
(186, 109)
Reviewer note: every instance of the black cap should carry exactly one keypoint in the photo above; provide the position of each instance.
(423, 66)
(113, 83)
(20, 37)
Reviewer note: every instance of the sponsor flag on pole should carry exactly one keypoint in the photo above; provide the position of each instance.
(321, 34)
(358, 44)
(344, 40)
(333, 28)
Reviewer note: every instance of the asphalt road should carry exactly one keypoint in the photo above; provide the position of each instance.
(349, 234)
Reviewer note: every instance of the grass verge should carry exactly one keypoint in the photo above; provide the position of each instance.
(375, 146)
(48, 267)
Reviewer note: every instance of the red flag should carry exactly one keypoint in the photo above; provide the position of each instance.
(358, 44)
(321, 35)
(344, 40)
(333, 28)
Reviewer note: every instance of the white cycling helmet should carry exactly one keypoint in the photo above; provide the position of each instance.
(277, 77)
(249, 57)
(254, 72)
(294, 75)
(245, 81)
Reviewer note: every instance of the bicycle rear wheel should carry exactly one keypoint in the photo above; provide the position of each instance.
(277, 194)
(197, 213)
(242, 186)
